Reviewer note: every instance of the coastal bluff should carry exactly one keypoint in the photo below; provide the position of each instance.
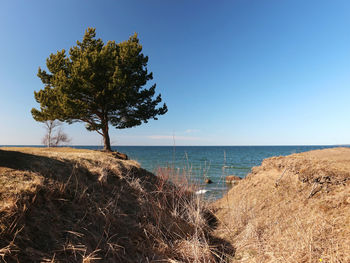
(71, 205)
(290, 209)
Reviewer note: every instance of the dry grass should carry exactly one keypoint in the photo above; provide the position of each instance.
(291, 209)
(68, 205)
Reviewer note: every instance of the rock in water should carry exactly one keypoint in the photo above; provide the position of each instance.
(208, 181)
(232, 179)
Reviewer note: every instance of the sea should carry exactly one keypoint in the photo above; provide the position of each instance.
(203, 162)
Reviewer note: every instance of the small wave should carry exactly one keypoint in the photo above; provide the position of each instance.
(202, 191)
(237, 167)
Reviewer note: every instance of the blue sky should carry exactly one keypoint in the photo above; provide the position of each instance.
(237, 72)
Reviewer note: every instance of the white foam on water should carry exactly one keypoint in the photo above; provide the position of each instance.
(202, 191)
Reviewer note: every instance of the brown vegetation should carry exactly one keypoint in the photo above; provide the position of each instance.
(68, 205)
(291, 209)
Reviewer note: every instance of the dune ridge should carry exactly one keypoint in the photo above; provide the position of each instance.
(290, 209)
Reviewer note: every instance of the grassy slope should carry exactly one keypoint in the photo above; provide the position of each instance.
(69, 205)
(291, 209)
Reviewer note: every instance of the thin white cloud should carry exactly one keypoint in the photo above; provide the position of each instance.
(177, 138)
(191, 130)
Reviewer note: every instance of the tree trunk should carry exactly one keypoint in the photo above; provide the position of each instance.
(106, 140)
(50, 124)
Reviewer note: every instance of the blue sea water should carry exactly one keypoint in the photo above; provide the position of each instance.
(214, 162)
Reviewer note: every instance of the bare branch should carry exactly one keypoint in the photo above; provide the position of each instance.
(54, 134)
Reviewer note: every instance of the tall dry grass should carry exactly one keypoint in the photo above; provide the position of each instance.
(86, 206)
(291, 209)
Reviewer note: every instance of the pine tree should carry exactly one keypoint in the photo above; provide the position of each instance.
(98, 84)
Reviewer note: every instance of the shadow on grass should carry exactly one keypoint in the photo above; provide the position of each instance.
(87, 216)
(47, 167)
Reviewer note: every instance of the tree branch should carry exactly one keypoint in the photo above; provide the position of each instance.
(93, 125)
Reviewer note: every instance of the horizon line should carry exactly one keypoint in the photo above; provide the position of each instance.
(219, 145)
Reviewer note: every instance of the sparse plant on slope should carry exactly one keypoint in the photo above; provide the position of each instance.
(54, 134)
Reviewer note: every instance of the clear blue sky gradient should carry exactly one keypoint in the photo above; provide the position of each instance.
(237, 72)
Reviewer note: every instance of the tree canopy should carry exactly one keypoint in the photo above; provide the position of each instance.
(98, 84)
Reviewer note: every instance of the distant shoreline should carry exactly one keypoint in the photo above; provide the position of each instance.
(286, 145)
